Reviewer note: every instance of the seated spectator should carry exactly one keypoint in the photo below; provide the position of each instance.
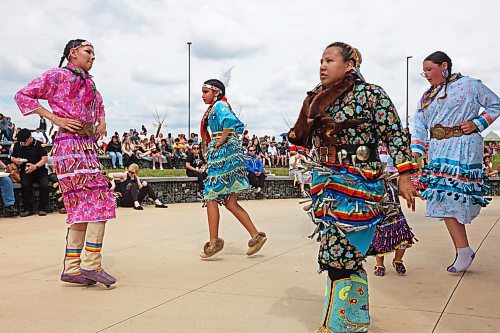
(282, 155)
(31, 157)
(128, 152)
(133, 190)
(195, 167)
(155, 153)
(143, 150)
(488, 167)
(272, 152)
(256, 174)
(167, 151)
(7, 190)
(301, 176)
(188, 146)
(114, 150)
(179, 149)
(38, 135)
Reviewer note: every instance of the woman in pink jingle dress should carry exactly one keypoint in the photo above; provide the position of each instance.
(76, 107)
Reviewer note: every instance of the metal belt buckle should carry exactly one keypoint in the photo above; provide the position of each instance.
(439, 133)
(89, 129)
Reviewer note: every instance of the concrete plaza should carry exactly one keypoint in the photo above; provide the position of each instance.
(163, 286)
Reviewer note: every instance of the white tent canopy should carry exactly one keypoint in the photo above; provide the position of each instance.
(492, 137)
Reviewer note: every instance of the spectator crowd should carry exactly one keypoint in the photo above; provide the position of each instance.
(26, 161)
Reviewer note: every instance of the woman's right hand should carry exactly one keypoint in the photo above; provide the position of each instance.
(68, 124)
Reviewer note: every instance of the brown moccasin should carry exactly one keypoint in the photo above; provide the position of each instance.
(211, 248)
(256, 243)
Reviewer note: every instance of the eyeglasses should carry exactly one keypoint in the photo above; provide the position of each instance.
(429, 70)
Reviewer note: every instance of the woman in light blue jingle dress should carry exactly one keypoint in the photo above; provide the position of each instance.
(449, 110)
(226, 168)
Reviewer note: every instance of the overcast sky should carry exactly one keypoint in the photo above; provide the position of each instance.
(274, 48)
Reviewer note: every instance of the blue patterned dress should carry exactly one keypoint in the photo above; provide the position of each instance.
(455, 181)
(226, 167)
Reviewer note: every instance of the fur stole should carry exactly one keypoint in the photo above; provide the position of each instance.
(313, 118)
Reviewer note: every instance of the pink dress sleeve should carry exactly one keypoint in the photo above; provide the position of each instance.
(43, 87)
(99, 107)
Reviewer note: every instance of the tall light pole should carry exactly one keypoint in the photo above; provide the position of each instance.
(189, 89)
(407, 75)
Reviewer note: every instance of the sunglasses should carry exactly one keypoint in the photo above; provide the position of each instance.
(251, 150)
(196, 148)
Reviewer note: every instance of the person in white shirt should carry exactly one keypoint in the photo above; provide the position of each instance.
(301, 176)
(37, 135)
(273, 153)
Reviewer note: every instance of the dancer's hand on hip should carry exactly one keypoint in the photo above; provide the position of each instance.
(468, 127)
(71, 125)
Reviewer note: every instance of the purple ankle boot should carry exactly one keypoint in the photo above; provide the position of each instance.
(98, 276)
(78, 279)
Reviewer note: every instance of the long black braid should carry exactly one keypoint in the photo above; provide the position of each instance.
(70, 45)
(439, 58)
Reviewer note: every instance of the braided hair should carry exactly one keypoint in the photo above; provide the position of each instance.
(439, 58)
(70, 45)
(349, 53)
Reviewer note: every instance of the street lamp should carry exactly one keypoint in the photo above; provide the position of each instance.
(189, 89)
(407, 71)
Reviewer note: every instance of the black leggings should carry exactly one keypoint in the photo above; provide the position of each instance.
(256, 181)
(200, 176)
(134, 194)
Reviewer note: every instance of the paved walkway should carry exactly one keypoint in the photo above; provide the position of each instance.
(164, 287)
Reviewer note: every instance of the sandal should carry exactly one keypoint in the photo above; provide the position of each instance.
(256, 243)
(211, 248)
(399, 267)
(379, 270)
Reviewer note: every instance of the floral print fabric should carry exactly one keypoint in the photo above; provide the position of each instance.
(85, 192)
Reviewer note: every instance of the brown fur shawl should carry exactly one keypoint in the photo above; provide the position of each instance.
(313, 117)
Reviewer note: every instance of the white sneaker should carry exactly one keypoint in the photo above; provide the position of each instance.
(154, 168)
(258, 190)
(161, 168)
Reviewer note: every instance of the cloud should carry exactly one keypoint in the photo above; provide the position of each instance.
(219, 50)
(155, 78)
(275, 47)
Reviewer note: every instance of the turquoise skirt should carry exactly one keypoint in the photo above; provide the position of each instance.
(226, 169)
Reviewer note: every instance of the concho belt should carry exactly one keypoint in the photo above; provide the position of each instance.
(440, 132)
(348, 154)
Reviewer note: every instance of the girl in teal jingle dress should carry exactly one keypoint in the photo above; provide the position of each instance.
(226, 168)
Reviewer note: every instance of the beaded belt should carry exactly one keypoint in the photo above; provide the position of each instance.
(88, 129)
(349, 154)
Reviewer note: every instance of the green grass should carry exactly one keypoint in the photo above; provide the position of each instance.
(182, 172)
(495, 159)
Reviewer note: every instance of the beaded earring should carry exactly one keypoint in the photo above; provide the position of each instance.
(445, 73)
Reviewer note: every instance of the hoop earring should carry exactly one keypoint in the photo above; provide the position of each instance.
(445, 73)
